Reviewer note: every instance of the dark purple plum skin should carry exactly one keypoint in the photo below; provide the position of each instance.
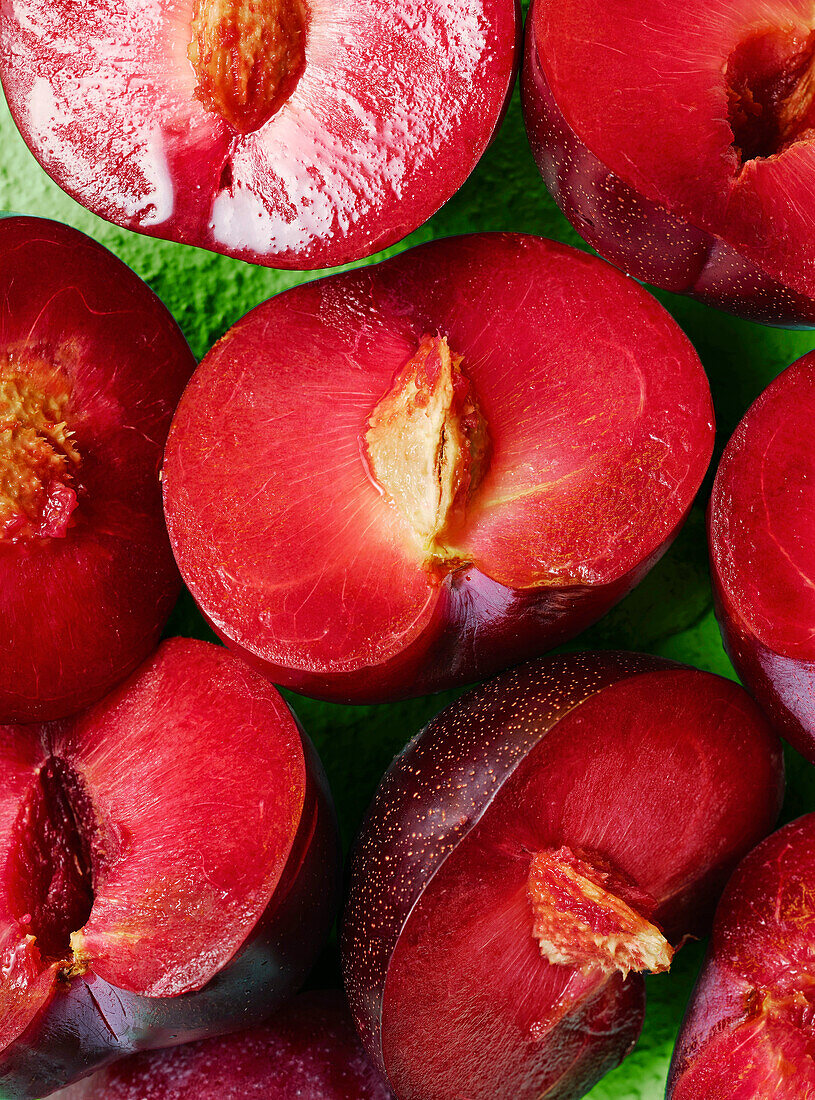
(93, 1024)
(437, 791)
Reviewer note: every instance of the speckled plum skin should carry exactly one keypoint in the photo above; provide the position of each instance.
(308, 1050)
(628, 115)
(264, 883)
(664, 773)
(79, 612)
(748, 1031)
(601, 428)
(762, 548)
(394, 106)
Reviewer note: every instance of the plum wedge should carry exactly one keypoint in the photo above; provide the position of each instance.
(91, 368)
(679, 140)
(762, 545)
(308, 1050)
(168, 868)
(407, 477)
(548, 838)
(293, 133)
(749, 1033)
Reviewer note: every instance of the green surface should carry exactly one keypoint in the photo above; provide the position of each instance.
(670, 613)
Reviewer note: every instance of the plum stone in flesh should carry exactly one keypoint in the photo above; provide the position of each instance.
(407, 477)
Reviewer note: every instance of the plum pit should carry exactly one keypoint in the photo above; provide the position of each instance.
(580, 921)
(248, 56)
(38, 455)
(771, 93)
(428, 445)
(51, 885)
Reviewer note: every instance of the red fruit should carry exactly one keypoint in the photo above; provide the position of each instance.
(91, 368)
(546, 838)
(762, 544)
(294, 133)
(403, 478)
(677, 139)
(309, 1050)
(168, 868)
(750, 1027)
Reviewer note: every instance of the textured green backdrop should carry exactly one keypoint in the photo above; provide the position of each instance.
(669, 614)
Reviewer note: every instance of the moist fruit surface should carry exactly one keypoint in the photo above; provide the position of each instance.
(762, 543)
(404, 478)
(168, 868)
(679, 141)
(91, 368)
(296, 133)
(748, 1032)
(546, 840)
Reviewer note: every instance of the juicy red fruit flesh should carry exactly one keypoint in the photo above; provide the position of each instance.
(762, 545)
(293, 133)
(91, 369)
(545, 841)
(750, 1027)
(697, 176)
(445, 464)
(309, 1049)
(168, 868)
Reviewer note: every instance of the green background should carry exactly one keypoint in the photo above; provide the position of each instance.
(669, 614)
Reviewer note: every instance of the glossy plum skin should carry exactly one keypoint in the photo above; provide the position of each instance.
(394, 107)
(79, 610)
(309, 1049)
(762, 547)
(653, 177)
(748, 1031)
(446, 983)
(301, 560)
(227, 961)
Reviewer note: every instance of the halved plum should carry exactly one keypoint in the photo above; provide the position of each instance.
(749, 1033)
(308, 1050)
(545, 840)
(403, 478)
(91, 368)
(679, 140)
(293, 133)
(169, 868)
(762, 544)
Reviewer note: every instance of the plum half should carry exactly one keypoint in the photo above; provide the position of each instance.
(548, 838)
(293, 133)
(308, 1050)
(169, 868)
(407, 477)
(91, 368)
(679, 140)
(749, 1032)
(762, 545)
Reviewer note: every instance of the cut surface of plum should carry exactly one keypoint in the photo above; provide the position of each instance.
(749, 1032)
(679, 140)
(293, 133)
(546, 840)
(162, 854)
(762, 545)
(308, 1050)
(91, 368)
(399, 479)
